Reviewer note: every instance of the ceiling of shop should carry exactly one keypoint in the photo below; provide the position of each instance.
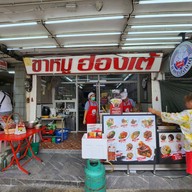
(44, 34)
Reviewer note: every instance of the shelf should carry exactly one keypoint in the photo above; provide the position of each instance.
(53, 119)
(69, 105)
(61, 101)
(51, 135)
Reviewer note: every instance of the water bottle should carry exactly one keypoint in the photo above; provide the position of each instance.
(4, 162)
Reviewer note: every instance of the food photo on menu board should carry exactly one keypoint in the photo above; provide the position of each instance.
(171, 147)
(130, 138)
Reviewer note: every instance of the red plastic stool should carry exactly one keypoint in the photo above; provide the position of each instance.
(189, 162)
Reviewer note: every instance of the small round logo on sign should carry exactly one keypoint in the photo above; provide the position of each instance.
(181, 60)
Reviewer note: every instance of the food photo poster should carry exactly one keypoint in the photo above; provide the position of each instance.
(170, 147)
(130, 138)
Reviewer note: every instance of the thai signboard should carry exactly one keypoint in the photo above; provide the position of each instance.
(95, 64)
(181, 60)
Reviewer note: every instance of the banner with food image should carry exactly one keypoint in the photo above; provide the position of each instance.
(94, 131)
(131, 137)
(171, 147)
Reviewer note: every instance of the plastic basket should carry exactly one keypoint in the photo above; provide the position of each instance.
(9, 124)
(65, 132)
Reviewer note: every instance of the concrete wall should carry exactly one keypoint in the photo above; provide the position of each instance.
(19, 91)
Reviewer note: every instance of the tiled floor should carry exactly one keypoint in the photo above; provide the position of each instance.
(72, 143)
(64, 169)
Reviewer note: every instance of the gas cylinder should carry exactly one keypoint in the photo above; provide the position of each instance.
(95, 176)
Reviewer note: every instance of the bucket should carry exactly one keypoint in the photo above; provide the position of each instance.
(189, 162)
(53, 139)
(95, 176)
(35, 148)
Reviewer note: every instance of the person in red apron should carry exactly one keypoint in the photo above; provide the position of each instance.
(91, 110)
(128, 104)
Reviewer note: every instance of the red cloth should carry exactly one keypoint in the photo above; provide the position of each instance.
(189, 162)
(91, 117)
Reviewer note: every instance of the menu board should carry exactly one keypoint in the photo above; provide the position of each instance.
(170, 147)
(131, 137)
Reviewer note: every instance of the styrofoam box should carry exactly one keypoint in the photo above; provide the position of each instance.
(94, 148)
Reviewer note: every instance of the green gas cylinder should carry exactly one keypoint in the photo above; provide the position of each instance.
(95, 176)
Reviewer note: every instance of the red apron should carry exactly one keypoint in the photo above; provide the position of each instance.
(91, 117)
(127, 106)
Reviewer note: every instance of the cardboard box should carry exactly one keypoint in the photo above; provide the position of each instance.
(94, 148)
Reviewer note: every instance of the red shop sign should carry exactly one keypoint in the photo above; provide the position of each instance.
(95, 64)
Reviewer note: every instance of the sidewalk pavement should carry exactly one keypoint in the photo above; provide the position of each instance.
(63, 170)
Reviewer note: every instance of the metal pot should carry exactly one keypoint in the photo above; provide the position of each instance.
(30, 125)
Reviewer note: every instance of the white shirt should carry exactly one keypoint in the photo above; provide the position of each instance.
(6, 106)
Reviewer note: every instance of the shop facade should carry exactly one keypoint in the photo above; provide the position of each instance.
(64, 83)
(66, 90)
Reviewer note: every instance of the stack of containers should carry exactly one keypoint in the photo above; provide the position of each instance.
(61, 135)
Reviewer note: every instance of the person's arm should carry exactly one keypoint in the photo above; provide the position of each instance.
(176, 118)
(85, 112)
(155, 112)
(84, 118)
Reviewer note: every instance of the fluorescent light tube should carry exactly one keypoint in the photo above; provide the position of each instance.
(157, 32)
(101, 85)
(160, 26)
(40, 47)
(23, 38)
(149, 47)
(118, 85)
(35, 47)
(92, 45)
(154, 38)
(164, 15)
(84, 19)
(11, 72)
(17, 24)
(68, 79)
(88, 34)
(152, 43)
(127, 77)
(163, 1)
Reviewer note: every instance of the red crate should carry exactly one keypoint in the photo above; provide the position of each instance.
(48, 139)
(47, 132)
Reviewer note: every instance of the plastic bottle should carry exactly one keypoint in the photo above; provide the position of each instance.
(1, 163)
(111, 153)
(4, 162)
